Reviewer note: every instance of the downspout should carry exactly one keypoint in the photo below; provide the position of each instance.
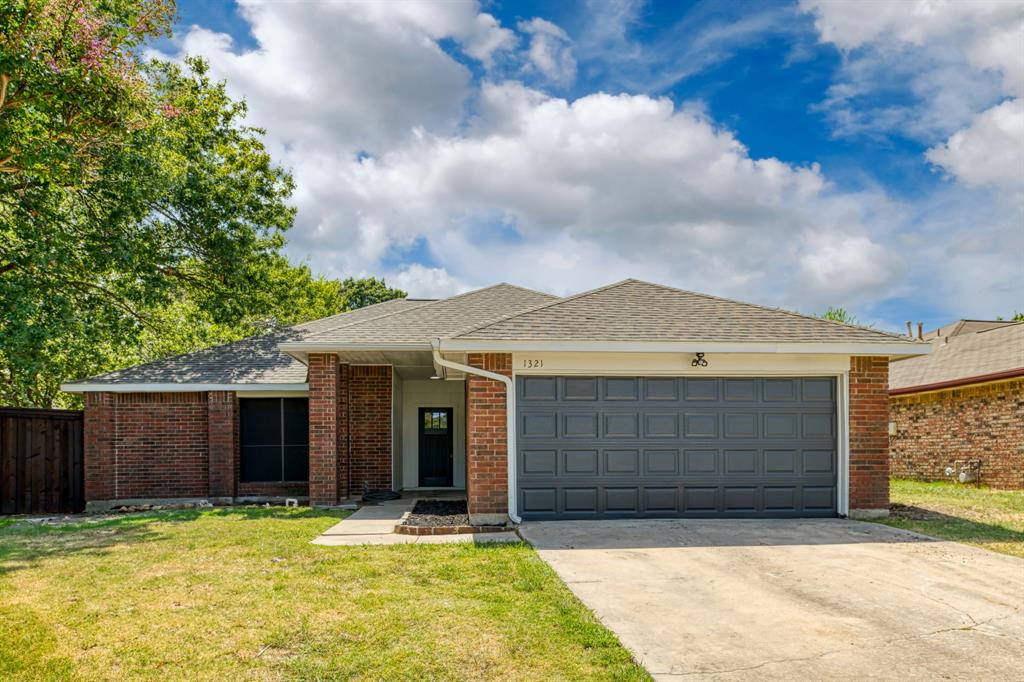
(510, 418)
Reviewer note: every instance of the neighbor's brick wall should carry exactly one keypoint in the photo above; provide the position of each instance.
(984, 422)
(487, 435)
(161, 445)
(324, 389)
(869, 433)
(370, 427)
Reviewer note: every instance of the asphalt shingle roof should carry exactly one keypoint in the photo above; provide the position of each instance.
(640, 311)
(962, 356)
(258, 360)
(445, 318)
(254, 360)
(627, 311)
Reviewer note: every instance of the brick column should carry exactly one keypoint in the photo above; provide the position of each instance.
(323, 428)
(98, 436)
(487, 440)
(869, 437)
(343, 440)
(370, 431)
(222, 425)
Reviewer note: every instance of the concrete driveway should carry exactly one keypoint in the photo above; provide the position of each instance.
(808, 599)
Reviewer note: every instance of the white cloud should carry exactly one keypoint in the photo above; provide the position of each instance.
(950, 74)
(405, 167)
(428, 282)
(564, 195)
(990, 151)
(550, 50)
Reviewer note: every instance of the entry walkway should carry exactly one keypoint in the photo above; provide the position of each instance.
(375, 525)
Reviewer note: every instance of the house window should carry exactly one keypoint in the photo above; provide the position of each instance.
(274, 439)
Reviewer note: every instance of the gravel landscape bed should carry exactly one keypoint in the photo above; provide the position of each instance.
(435, 513)
(441, 517)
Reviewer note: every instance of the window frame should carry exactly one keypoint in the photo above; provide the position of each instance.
(282, 443)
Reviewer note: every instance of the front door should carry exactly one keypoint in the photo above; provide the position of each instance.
(436, 447)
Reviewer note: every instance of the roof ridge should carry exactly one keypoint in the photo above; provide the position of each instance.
(427, 304)
(542, 306)
(777, 310)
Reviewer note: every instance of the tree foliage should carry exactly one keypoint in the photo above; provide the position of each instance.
(839, 314)
(139, 214)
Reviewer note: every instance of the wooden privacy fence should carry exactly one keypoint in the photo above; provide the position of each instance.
(41, 461)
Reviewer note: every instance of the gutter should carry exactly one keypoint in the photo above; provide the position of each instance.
(893, 349)
(962, 381)
(510, 418)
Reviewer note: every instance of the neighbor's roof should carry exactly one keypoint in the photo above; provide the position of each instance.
(254, 360)
(640, 311)
(444, 318)
(962, 358)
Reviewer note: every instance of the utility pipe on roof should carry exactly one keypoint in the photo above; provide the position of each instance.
(510, 418)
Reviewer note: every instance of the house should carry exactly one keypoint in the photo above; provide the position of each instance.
(632, 400)
(960, 409)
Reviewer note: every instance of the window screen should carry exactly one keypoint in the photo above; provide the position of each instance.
(274, 439)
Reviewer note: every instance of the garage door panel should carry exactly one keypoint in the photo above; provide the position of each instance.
(583, 425)
(619, 389)
(580, 463)
(661, 462)
(658, 446)
(660, 389)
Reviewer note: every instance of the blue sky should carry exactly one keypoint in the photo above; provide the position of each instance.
(868, 155)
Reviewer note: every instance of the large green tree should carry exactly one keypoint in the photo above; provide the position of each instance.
(139, 214)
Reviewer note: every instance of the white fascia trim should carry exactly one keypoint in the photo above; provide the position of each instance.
(843, 442)
(182, 388)
(494, 346)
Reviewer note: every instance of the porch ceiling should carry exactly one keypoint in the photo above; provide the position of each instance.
(408, 364)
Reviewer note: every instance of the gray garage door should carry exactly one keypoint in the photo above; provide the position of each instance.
(601, 447)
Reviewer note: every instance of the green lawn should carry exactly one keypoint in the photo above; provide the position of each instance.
(993, 519)
(240, 593)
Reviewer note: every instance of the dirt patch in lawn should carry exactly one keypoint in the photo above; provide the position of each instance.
(912, 513)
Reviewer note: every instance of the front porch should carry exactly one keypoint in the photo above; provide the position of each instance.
(378, 421)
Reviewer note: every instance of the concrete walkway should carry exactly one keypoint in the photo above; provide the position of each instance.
(793, 600)
(375, 525)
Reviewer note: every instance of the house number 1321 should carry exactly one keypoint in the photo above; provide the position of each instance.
(532, 364)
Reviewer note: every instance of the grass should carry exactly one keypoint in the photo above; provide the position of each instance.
(240, 593)
(992, 519)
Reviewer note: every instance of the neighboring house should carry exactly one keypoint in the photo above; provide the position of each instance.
(961, 406)
(630, 400)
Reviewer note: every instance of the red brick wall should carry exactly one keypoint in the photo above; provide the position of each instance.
(161, 445)
(222, 421)
(869, 433)
(98, 446)
(256, 489)
(167, 445)
(935, 430)
(487, 436)
(370, 427)
(349, 426)
(323, 428)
